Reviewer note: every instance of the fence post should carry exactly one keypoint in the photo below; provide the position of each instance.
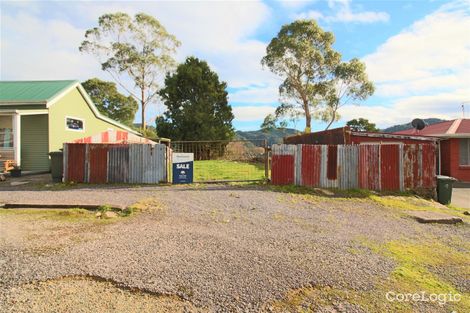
(169, 161)
(266, 160)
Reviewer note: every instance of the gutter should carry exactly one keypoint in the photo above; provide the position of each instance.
(446, 136)
(394, 136)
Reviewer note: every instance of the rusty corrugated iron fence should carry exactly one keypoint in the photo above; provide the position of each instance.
(372, 166)
(115, 163)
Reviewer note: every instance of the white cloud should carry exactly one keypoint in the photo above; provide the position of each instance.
(437, 45)
(295, 4)
(259, 94)
(35, 49)
(41, 41)
(252, 113)
(312, 14)
(442, 105)
(423, 71)
(344, 13)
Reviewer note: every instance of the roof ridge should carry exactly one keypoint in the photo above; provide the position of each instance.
(455, 125)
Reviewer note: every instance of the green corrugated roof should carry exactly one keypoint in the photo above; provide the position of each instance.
(32, 91)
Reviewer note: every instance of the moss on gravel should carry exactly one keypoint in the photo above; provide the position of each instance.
(147, 204)
(414, 270)
(413, 273)
(69, 215)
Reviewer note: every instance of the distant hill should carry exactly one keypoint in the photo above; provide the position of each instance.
(396, 128)
(273, 136)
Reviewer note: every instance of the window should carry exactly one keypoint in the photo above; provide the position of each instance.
(6, 132)
(464, 151)
(72, 123)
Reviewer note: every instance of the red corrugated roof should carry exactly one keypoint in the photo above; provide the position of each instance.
(458, 126)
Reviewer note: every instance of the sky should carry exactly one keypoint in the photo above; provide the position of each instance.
(417, 53)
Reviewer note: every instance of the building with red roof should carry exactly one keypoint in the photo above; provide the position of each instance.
(454, 146)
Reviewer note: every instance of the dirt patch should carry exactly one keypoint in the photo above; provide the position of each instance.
(84, 294)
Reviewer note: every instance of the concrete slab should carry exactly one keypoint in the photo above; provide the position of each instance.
(461, 195)
(434, 217)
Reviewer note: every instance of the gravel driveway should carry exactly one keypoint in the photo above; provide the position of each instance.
(212, 248)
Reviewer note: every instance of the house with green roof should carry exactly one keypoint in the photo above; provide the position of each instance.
(37, 117)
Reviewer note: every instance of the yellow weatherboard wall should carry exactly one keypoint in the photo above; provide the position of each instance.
(73, 105)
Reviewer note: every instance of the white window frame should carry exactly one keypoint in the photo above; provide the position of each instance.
(75, 118)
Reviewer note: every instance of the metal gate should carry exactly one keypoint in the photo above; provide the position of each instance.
(226, 161)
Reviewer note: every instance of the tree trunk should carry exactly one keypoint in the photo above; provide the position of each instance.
(308, 118)
(142, 103)
(144, 124)
(333, 117)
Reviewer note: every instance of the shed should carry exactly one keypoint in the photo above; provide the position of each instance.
(345, 136)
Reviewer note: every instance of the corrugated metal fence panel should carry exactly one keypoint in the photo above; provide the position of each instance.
(154, 158)
(326, 167)
(115, 163)
(118, 164)
(298, 165)
(411, 170)
(97, 163)
(75, 154)
(147, 163)
(283, 164)
(332, 163)
(389, 167)
(161, 169)
(135, 164)
(311, 164)
(369, 167)
(348, 160)
(428, 166)
(373, 166)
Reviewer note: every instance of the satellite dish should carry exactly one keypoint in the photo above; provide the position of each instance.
(418, 123)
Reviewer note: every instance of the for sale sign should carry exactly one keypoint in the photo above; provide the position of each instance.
(183, 165)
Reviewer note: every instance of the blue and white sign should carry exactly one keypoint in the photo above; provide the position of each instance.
(183, 165)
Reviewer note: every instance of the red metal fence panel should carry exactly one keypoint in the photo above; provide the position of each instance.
(75, 169)
(389, 167)
(282, 172)
(311, 165)
(369, 167)
(332, 163)
(98, 163)
(283, 165)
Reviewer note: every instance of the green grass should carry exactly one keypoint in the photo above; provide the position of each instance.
(69, 215)
(213, 170)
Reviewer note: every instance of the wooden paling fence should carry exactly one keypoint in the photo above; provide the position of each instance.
(394, 167)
